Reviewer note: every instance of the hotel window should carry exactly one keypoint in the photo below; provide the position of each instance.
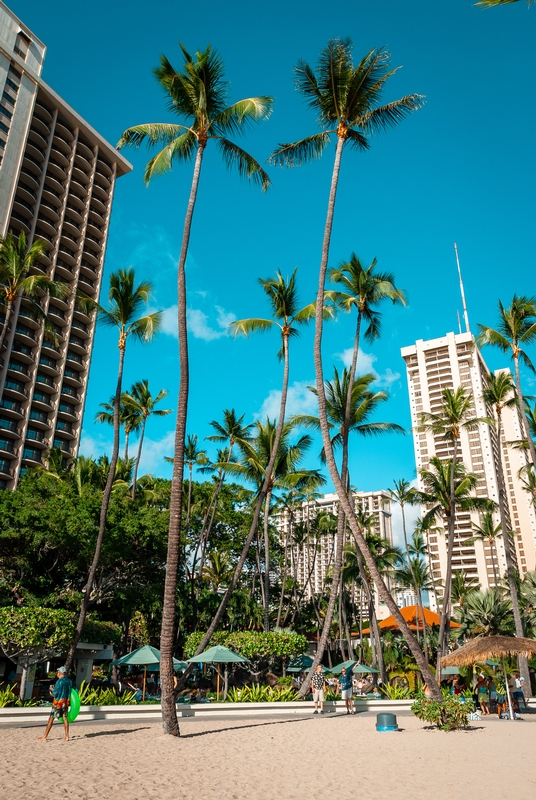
(22, 44)
(8, 98)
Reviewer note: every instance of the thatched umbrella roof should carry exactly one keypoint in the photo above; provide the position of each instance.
(486, 647)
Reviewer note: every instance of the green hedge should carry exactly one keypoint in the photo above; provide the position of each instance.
(253, 644)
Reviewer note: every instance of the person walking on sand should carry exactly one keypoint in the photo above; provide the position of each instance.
(61, 695)
(346, 690)
(318, 682)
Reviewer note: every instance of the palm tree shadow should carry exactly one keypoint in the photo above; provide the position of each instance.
(242, 727)
(115, 732)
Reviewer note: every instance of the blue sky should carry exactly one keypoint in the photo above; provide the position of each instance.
(461, 169)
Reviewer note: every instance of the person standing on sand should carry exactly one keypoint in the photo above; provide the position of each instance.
(61, 694)
(346, 689)
(318, 682)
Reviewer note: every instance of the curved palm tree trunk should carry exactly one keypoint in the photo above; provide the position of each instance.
(510, 568)
(138, 457)
(444, 625)
(127, 434)
(336, 478)
(103, 512)
(283, 583)
(347, 631)
(9, 314)
(523, 413)
(167, 633)
(254, 523)
(266, 530)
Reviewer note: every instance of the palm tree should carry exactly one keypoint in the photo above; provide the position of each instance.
(125, 303)
(448, 488)
(485, 614)
(364, 403)
(271, 459)
(493, 3)
(415, 575)
(462, 585)
(498, 394)
(16, 261)
(140, 402)
(403, 494)
(129, 419)
(456, 415)
(219, 569)
(488, 532)
(198, 96)
(345, 98)
(516, 330)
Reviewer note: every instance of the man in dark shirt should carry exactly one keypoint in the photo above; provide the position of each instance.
(318, 683)
(346, 689)
(61, 695)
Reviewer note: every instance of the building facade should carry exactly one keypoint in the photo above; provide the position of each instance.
(311, 555)
(450, 362)
(57, 178)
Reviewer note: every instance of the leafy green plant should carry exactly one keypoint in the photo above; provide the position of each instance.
(331, 694)
(450, 715)
(104, 697)
(253, 644)
(395, 692)
(256, 693)
(8, 698)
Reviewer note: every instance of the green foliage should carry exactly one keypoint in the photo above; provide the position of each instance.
(450, 715)
(256, 693)
(331, 694)
(30, 633)
(253, 644)
(395, 692)
(8, 699)
(104, 697)
(95, 630)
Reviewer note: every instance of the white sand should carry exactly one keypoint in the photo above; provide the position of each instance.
(320, 757)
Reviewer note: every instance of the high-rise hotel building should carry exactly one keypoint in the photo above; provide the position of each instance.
(452, 361)
(57, 177)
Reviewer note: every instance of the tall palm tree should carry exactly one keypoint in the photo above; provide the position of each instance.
(500, 393)
(258, 466)
(516, 330)
(218, 570)
(129, 418)
(140, 402)
(488, 532)
(364, 403)
(16, 261)
(462, 586)
(345, 98)
(455, 416)
(414, 574)
(448, 488)
(126, 301)
(404, 495)
(197, 94)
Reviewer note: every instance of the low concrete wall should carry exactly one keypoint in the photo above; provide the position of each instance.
(152, 713)
(201, 710)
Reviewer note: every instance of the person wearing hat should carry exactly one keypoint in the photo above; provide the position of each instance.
(346, 689)
(61, 695)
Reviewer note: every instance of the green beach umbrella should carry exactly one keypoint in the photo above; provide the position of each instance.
(302, 664)
(218, 655)
(146, 657)
(347, 665)
(364, 669)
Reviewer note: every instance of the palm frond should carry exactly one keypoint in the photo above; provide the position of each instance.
(297, 153)
(490, 336)
(152, 134)
(236, 116)
(252, 325)
(383, 117)
(180, 149)
(247, 166)
(145, 328)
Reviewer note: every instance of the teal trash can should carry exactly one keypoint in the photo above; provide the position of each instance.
(386, 722)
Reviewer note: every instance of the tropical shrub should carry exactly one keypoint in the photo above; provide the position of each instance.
(449, 715)
(395, 692)
(253, 645)
(8, 698)
(256, 693)
(104, 697)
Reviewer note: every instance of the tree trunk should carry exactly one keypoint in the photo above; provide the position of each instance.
(510, 569)
(283, 584)
(9, 314)
(444, 625)
(336, 478)
(492, 549)
(167, 635)
(347, 629)
(523, 413)
(127, 434)
(255, 521)
(103, 512)
(137, 462)
(266, 527)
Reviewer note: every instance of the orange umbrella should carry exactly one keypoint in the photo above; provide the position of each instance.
(413, 616)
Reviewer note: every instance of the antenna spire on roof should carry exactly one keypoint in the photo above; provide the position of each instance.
(465, 315)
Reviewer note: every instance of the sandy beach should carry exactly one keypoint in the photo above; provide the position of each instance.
(253, 759)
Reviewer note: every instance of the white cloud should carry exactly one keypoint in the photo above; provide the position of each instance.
(299, 400)
(95, 446)
(198, 323)
(365, 363)
(153, 453)
(169, 321)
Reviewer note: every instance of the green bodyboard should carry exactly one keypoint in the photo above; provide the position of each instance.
(74, 707)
